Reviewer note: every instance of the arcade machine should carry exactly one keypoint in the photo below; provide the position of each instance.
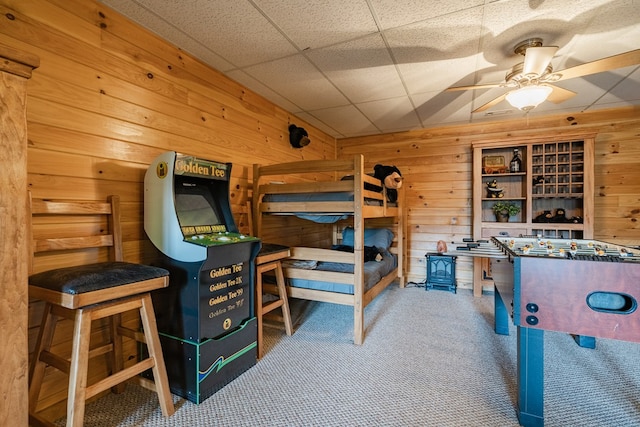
(205, 316)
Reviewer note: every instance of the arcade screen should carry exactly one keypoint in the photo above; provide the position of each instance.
(196, 208)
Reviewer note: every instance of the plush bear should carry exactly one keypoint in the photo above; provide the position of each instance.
(298, 137)
(545, 216)
(538, 180)
(371, 253)
(493, 192)
(391, 178)
(560, 216)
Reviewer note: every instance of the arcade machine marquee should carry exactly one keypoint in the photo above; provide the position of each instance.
(205, 316)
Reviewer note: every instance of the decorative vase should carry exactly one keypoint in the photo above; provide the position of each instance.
(502, 217)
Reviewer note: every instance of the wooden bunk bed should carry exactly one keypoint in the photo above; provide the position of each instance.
(340, 203)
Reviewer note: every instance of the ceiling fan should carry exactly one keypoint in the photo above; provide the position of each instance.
(530, 80)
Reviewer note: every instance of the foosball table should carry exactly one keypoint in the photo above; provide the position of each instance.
(587, 288)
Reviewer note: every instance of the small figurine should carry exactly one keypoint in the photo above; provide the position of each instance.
(624, 252)
(560, 216)
(576, 219)
(545, 216)
(493, 192)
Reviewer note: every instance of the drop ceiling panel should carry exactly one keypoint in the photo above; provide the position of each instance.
(346, 120)
(390, 115)
(628, 89)
(233, 29)
(258, 87)
(396, 13)
(438, 108)
(160, 26)
(431, 56)
(316, 24)
(299, 81)
(359, 67)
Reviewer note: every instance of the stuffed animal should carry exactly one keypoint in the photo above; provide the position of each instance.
(493, 192)
(391, 178)
(545, 216)
(560, 216)
(538, 180)
(371, 253)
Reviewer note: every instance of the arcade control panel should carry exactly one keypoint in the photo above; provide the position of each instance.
(216, 239)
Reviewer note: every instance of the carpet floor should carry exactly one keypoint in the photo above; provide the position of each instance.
(430, 358)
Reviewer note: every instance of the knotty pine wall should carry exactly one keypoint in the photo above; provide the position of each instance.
(436, 165)
(109, 96)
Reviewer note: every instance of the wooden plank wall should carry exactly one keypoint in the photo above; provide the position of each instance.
(108, 97)
(436, 165)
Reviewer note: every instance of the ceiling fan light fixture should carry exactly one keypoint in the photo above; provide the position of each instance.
(529, 97)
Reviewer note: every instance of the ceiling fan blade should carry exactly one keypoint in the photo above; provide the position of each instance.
(473, 87)
(559, 94)
(490, 103)
(536, 59)
(606, 64)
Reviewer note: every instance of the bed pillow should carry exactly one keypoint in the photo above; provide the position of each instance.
(379, 237)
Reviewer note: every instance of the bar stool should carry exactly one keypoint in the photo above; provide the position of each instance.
(90, 292)
(270, 259)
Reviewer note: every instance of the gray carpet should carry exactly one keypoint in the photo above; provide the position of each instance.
(429, 359)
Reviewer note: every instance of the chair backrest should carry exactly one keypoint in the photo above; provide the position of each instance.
(76, 225)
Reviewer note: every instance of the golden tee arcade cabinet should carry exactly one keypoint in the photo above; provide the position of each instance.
(205, 316)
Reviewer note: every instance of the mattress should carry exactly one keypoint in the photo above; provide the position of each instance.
(329, 217)
(374, 271)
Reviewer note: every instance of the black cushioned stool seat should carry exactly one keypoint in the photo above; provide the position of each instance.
(94, 277)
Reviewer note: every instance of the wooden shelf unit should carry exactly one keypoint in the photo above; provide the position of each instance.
(562, 166)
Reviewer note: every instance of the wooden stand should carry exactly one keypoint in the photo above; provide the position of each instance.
(15, 70)
(270, 259)
(556, 176)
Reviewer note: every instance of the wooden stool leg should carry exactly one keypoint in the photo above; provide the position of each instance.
(259, 311)
(282, 290)
(117, 358)
(45, 337)
(79, 367)
(155, 351)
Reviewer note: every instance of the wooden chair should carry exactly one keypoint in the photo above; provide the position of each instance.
(90, 292)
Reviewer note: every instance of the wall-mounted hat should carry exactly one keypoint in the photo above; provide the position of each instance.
(298, 137)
